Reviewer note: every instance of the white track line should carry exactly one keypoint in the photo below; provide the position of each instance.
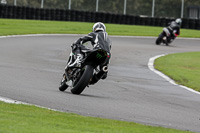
(151, 67)
(7, 100)
(12, 101)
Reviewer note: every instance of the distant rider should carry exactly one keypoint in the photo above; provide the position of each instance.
(174, 29)
(99, 39)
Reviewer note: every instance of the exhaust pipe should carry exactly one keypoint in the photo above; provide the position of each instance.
(100, 74)
(105, 68)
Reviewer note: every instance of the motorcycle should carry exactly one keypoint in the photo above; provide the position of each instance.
(91, 70)
(166, 37)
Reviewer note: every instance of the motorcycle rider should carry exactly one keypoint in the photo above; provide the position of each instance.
(174, 30)
(99, 39)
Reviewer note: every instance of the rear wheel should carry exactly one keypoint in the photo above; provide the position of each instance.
(83, 80)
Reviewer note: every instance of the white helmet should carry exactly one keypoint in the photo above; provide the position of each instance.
(178, 21)
(98, 27)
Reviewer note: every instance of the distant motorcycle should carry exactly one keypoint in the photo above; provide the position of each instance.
(78, 78)
(166, 37)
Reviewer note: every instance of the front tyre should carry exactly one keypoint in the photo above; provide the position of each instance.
(159, 39)
(63, 85)
(83, 80)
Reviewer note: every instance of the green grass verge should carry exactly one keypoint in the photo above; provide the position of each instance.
(30, 119)
(23, 118)
(184, 68)
(17, 27)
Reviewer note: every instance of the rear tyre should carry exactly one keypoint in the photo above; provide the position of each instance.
(83, 80)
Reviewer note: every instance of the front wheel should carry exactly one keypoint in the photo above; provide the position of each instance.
(63, 85)
(83, 81)
(159, 39)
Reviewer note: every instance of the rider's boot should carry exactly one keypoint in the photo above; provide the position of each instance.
(104, 76)
(168, 41)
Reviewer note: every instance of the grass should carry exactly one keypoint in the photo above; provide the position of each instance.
(30, 119)
(184, 68)
(18, 27)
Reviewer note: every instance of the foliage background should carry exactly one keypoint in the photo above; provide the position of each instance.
(163, 8)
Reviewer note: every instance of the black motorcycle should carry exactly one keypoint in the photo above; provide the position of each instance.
(165, 37)
(89, 73)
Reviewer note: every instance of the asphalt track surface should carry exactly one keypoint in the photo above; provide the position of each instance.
(31, 68)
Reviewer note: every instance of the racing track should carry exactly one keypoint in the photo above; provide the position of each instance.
(31, 68)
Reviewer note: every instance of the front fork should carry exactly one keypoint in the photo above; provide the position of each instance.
(70, 60)
(65, 75)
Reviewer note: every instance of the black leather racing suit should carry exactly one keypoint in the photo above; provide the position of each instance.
(98, 39)
(174, 30)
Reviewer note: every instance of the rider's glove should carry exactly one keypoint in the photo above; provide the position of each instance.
(74, 46)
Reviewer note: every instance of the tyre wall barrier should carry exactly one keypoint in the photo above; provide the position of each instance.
(21, 12)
